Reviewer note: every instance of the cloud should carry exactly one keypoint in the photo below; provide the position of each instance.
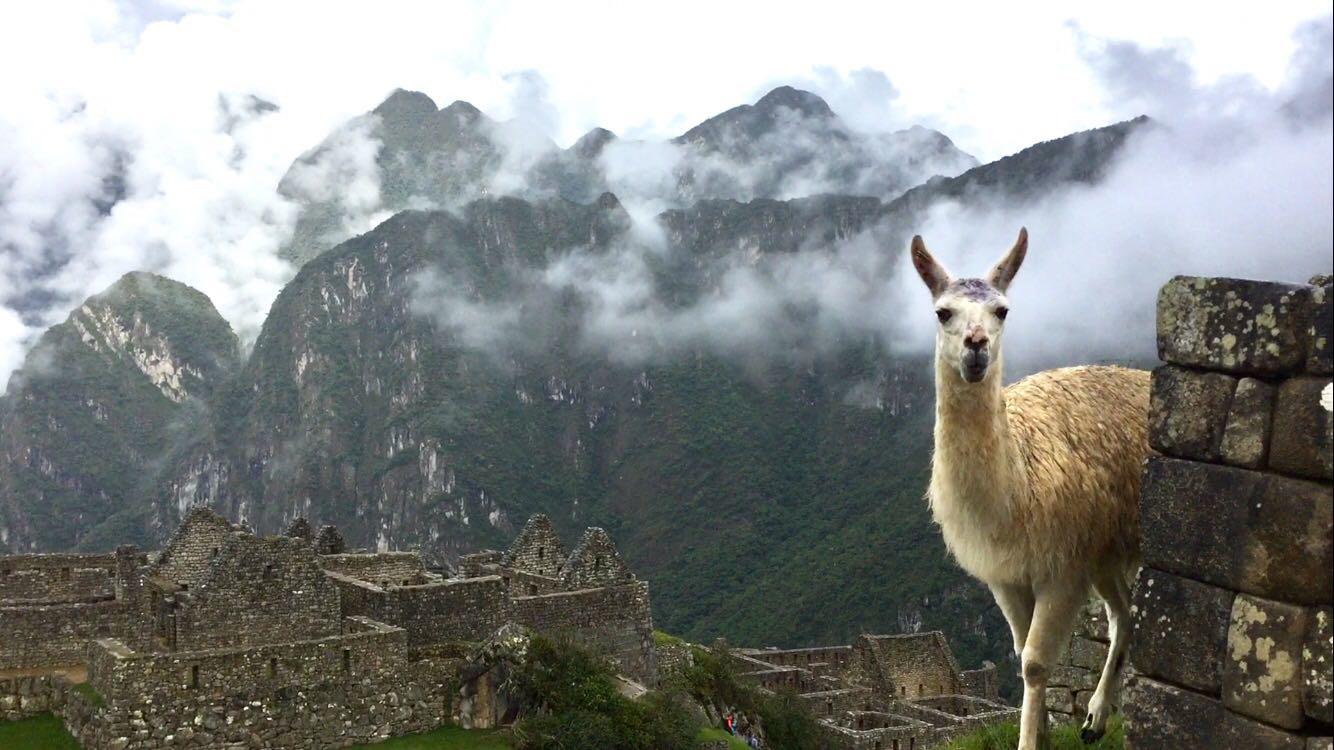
(1247, 192)
(1230, 183)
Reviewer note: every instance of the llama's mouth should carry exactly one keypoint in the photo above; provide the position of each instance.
(974, 366)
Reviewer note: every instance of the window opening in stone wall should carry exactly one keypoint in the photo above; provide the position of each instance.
(921, 689)
(194, 676)
(64, 574)
(268, 572)
(273, 666)
(213, 554)
(532, 589)
(347, 660)
(829, 707)
(4, 572)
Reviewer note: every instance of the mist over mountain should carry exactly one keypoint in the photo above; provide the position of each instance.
(409, 154)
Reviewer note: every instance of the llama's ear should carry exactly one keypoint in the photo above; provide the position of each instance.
(933, 274)
(1003, 272)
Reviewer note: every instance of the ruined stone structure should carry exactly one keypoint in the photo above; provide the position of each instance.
(884, 692)
(228, 639)
(1076, 674)
(1232, 643)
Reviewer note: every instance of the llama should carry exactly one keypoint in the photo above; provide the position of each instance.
(1035, 487)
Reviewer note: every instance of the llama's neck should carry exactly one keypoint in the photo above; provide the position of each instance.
(975, 457)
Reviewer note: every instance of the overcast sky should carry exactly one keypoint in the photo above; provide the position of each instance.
(84, 80)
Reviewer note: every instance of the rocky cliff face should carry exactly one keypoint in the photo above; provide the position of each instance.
(85, 423)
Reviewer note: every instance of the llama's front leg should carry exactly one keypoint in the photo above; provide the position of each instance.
(1115, 593)
(1016, 603)
(1056, 604)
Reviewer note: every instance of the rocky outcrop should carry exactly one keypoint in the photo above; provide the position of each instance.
(99, 402)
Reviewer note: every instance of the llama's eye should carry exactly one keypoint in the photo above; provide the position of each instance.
(1001, 312)
(944, 315)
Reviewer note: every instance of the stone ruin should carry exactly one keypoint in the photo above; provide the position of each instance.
(225, 638)
(883, 692)
(1232, 642)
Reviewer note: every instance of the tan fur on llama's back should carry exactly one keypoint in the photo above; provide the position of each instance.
(1035, 486)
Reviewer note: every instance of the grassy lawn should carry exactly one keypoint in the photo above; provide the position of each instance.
(445, 738)
(711, 733)
(1065, 737)
(38, 733)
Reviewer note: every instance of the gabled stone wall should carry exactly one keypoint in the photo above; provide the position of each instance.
(537, 549)
(1232, 643)
(258, 591)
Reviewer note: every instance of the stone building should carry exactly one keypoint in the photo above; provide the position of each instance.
(228, 639)
(1232, 643)
(883, 692)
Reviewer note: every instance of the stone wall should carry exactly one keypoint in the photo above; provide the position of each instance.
(1076, 674)
(31, 695)
(384, 568)
(257, 591)
(48, 578)
(615, 619)
(188, 553)
(1231, 641)
(468, 609)
(980, 683)
(34, 636)
(537, 549)
(595, 562)
(331, 692)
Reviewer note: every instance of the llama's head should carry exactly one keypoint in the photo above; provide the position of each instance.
(971, 311)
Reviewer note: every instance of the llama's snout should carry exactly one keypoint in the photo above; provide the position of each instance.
(973, 364)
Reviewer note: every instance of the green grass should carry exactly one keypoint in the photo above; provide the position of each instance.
(666, 639)
(710, 733)
(37, 733)
(90, 693)
(1063, 737)
(445, 738)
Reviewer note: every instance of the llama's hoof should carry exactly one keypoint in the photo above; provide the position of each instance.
(1088, 735)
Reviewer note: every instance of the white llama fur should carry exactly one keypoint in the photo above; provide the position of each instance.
(1035, 486)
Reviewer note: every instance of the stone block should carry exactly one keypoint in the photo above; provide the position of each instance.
(1060, 699)
(1234, 325)
(1262, 675)
(1077, 678)
(1179, 630)
(1303, 441)
(1092, 622)
(1162, 717)
(1188, 411)
(1317, 657)
(1088, 654)
(1320, 743)
(1243, 530)
(1319, 336)
(1246, 436)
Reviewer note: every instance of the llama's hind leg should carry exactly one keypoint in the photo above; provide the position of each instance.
(1056, 604)
(1111, 585)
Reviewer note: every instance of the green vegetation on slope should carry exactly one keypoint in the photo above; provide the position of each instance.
(1063, 737)
(38, 733)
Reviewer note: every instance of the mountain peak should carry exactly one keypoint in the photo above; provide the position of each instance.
(793, 98)
(463, 112)
(590, 144)
(403, 102)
